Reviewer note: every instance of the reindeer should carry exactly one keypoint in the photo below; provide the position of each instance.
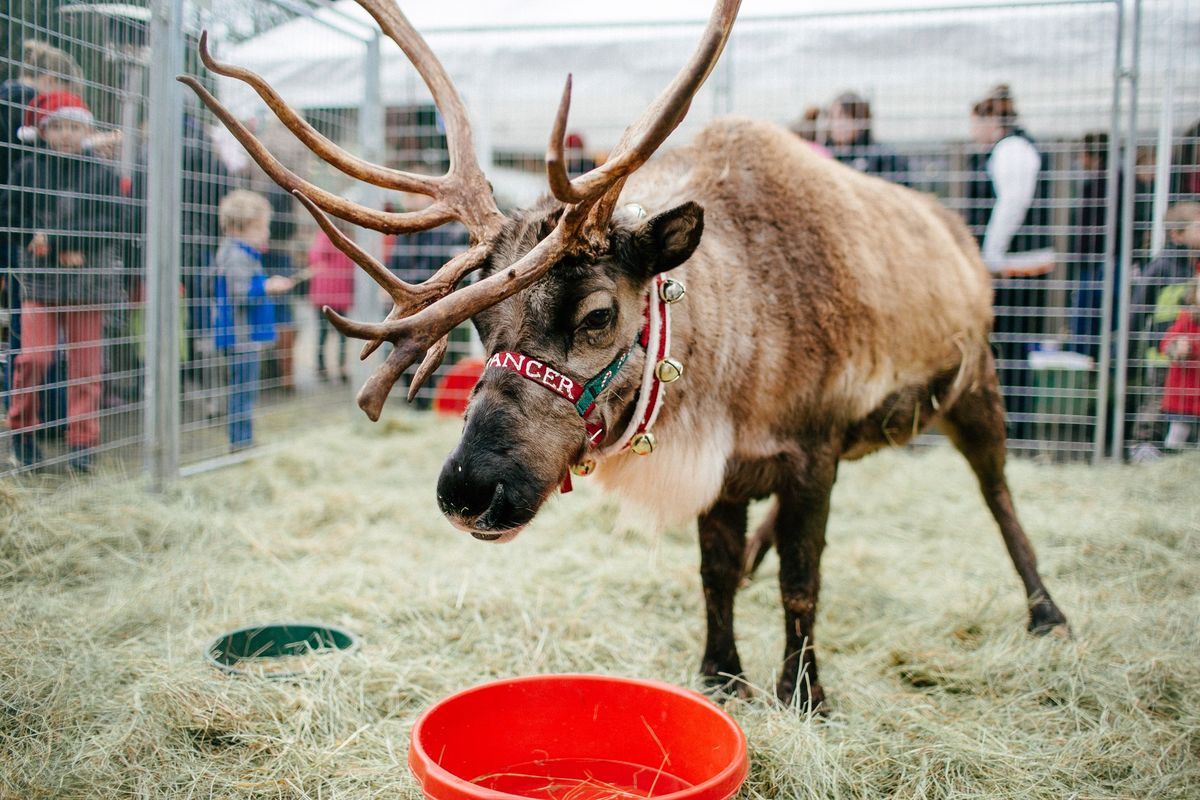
(827, 314)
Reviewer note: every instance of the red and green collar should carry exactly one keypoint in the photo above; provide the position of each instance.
(582, 395)
(660, 369)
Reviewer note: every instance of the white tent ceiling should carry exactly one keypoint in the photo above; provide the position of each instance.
(510, 57)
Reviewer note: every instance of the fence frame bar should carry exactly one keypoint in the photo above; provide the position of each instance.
(1129, 181)
(164, 175)
(1111, 233)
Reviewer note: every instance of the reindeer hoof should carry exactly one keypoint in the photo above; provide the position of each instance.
(726, 686)
(1046, 619)
(1059, 630)
(808, 700)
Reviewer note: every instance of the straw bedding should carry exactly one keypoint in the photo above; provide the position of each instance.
(109, 595)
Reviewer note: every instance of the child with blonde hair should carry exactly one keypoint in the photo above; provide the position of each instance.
(244, 316)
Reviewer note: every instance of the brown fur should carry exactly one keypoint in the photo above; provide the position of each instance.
(828, 314)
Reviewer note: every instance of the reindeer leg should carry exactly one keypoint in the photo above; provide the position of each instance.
(760, 543)
(975, 423)
(722, 542)
(800, 539)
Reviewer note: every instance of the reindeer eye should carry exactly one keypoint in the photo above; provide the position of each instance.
(600, 318)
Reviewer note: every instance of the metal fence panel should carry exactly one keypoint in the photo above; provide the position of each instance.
(257, 359)
(1105, 95)
(1162, 173)
(71, 219)
(893, 93)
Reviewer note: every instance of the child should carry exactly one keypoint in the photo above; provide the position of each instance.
(64, 212)
(244, 323)
(1157, 295)
(333, 286)
(1165, 279)
(1181, 397)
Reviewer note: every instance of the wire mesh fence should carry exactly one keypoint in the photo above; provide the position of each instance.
(1157, 386)
(1003, 113)
(70, 248)
(1063, 132)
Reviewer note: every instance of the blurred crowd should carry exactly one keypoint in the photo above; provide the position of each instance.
(1007, 198)
(72, 234)
(73, 217)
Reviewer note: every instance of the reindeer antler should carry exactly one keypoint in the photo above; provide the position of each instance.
(603, 184)
(423, 315)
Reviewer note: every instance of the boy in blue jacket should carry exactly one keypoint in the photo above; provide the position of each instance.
(244, 316)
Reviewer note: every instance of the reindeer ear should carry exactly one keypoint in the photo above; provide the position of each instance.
(668, 239)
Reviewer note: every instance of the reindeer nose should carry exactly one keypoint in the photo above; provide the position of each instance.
(473, 498)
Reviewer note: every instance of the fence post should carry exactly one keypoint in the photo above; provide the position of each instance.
(162, 268)
(1127, 217)
(1112, 229)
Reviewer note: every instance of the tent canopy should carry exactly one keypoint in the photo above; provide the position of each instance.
(922, 69)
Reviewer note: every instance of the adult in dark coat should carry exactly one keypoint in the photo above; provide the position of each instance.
(852, 142)
(1185, 169)
(414, 258)
(277, 261)
(204, 182)
(1089, 238)
(1008, 211)
(15, 95)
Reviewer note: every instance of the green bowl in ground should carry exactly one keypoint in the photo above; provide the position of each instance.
(276, 650)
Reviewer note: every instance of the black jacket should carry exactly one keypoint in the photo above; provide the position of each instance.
(204, 182)
(867, 155)
(15, 97)
(76, 202)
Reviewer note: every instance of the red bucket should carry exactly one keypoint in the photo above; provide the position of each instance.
(577, 737)
(453, 391)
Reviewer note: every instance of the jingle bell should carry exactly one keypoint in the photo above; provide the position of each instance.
(671, 291)
(643, 444)
(669, 370)
(584, 468)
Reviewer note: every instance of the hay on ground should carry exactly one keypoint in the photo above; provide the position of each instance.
(109, 596)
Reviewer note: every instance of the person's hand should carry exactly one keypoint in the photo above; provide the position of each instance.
(1030, 271)
(70, 258)
(278, 284)
(106, 145)
(39, 246)
(1178, 350)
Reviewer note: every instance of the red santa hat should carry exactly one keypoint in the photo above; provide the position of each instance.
(51, 106)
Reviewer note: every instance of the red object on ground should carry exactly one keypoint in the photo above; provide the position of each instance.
(577, 736)
(453, 391)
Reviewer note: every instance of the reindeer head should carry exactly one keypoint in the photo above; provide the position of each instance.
(579, 326)
(563, 284)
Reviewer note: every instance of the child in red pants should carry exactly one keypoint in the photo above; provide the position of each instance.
(63, 209)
